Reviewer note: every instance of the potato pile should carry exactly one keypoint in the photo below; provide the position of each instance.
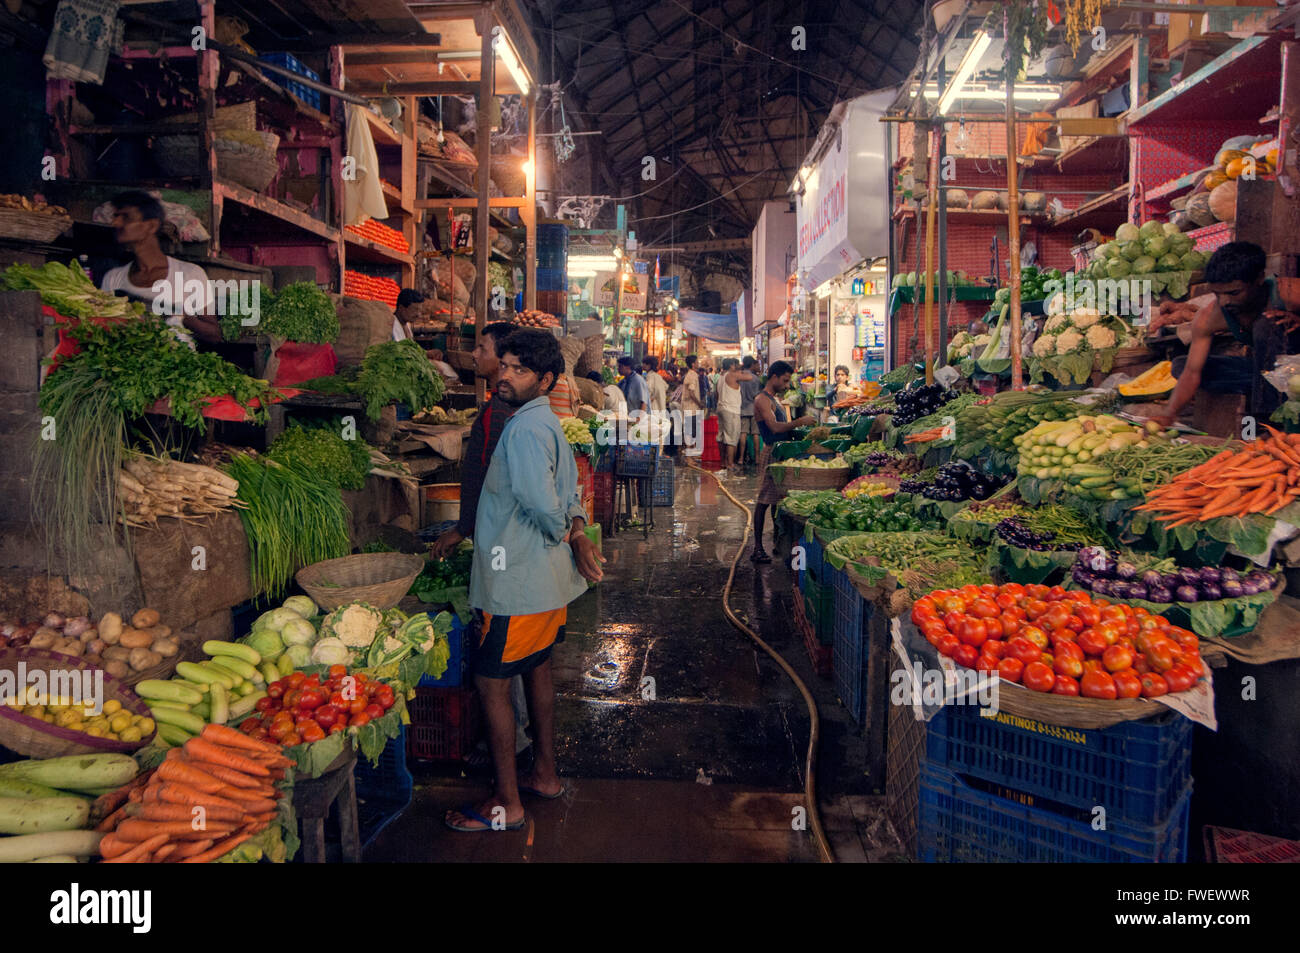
(119, 649)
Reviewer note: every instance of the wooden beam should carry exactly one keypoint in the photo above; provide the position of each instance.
(393, 59)
(530, 212)
(496, 201)
(483, 146)
(438, 88)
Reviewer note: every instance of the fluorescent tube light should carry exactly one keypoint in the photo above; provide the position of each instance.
(974, 53)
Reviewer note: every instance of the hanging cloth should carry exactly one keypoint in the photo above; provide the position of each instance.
(363, 195)
(84, 34)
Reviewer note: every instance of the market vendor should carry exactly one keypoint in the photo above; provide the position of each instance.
(409, 306)
(774, 428)
(138, 220)
(1248, 307)
(841, 388)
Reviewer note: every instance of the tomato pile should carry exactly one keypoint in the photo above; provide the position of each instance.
(299, 708)
(380, 235)
(370, 288)
(1064, 642)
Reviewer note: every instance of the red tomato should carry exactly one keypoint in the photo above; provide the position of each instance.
(1098, 685)
(1048, 659)
(1060, 637)
(280, 730)
(973, 632)
(969, 593)
(1068, 665)
(359, 719)
(1065, 686)
(989, 589)
(375, 711)
(291, 698)
(337, 671)
(337, 727)
(1092, 642)
(1140, 664)
(259, 734)
(1056, 616)
(1160, 653)
(994, 647)
(311, 731)
(964, 654)
(984, 608)
(1150, 622)
(386, 698)
(358, 704)
(933, 631)
(1154, 685)
(250, 724)
(986, 663)
(291, 739)
(294, 679)
(326, 715)
(1090, 615)
(1035, 608)
(1093, 665)
(1128, 684)
(1037, 591)
(1055, 594)
(310, 698)
(1023, 650)
(919, 615)
(1072, 649)
(1011, 669)
(1010, 624)
(952, 604)
(1038, 677)
(1032, 633)
(1109, 631)
(1116, 658)
(275, 690)
(1078, 596)
(338, 701)
(953, 621)
(1113, 613)
(266, 703)
(1074, 624)
(1180, 678)
(1005, 600)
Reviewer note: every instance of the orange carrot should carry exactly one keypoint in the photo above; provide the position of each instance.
(217, 850)
(234, 778)
(110, 822)
(141, 852)
(181, 812)
(135, 830)
(225, 735)
(110, 845)
(190, 848)
(189, 797)
(255, 805)
(165, 851)
(202, 750)
(187, 773)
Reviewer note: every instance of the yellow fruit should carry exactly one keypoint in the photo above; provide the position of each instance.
(120, 722)
(1216, 179)
(146, 726)
(65, 718)
(1236, 167)
(34, 711)
(95, 731)
(1157, 380)
(131, 734)
(112, 706)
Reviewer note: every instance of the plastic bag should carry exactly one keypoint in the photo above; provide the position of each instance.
(1287, 367)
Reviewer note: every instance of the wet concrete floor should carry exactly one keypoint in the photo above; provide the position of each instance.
(678, 739)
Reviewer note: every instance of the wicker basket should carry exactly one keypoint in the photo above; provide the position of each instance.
(34, 738)
(1068, 712)
(381, 579)
(810, 478)
(249, 166)
(32, 226)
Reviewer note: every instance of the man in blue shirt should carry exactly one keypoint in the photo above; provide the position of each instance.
(532, 558)
(634, 388)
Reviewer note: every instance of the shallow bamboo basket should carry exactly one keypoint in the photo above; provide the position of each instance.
(380, 579)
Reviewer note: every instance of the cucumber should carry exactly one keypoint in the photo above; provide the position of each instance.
(172, 691)
(174, 706)
(74, 771)
(202, 709)
(231, 676)
(244, 707)
(285, 665)
(12, 787)
(248, 688)
(236, 666)
(270, 672)
(39, 815)
(173, 735)
(16, 850)
(1093, 482)
(193, 672)
(245, 653)
(220, 706)
(181, 719)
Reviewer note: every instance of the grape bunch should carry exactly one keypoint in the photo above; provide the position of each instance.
(1014, 532)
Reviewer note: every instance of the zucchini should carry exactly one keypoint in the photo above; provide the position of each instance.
(235, 666)
(285, 665)
(170, 691)
(12, 787)
(219, 675)
(248, 688)
(24, 847)
(75, 771)
(202, 709)
(173, 735)
(39, 815)
(270, 672)
(55, 859)
(245, 706)
(233, 677)
(193, 672)
(220, 706)
(180, 719)
(245, 653)
(174, 706)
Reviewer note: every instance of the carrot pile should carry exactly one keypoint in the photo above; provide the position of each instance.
(229, 775)
(925, 436)
(1262, 478)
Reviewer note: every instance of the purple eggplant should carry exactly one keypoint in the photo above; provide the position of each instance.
(1249, 588)
(1102, 587)
(1229, 575)
(1187, 593)
(1171, 581)
(1126, 570)
(1082, 576)
(1159, 594)
(1188, 577)
(1210, 574)
(1263, 580)
(1137, 590)
(1211, 591)
(1152, 578)
(1120, 589)
(1232, 589)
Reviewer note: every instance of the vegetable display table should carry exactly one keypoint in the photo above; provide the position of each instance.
(312, 800)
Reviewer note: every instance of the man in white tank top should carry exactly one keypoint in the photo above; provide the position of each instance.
(729, 411)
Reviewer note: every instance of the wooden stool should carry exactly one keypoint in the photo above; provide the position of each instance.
(312, 800)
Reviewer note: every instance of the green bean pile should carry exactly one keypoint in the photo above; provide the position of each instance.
(1157, 464)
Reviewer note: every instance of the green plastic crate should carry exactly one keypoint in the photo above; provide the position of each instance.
(819, 605)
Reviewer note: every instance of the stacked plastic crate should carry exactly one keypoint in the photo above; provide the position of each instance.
(290, 62)
(816, 598)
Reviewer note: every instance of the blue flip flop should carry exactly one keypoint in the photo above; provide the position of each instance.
(524, 789)
(468, 811)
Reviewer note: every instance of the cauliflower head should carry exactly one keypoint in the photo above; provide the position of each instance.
(1056, 324)
(1044, 346)
(355, 624)
(982, 341)
(330, 652)
(1100, 337)
(1068, 341)
(1084, 318)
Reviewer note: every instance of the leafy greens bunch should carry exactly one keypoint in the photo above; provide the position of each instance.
(398, 371)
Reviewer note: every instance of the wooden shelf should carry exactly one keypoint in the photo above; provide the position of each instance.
(967, 216)
(1103, 211)
(1174, 186)
(1096, 154)
(381, 131)
(1240, 84)
(1205, 237)
(268, 206)
(363, 249)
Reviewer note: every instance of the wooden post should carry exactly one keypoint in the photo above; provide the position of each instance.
(410, 226)
(1013, 234)
(483, 146)
(530, 213)
(932, 185)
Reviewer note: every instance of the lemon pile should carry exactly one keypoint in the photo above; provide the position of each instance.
(113, 722)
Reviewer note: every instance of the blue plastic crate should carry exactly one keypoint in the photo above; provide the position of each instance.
(849, 654)
(456, 663)
(291, 62)
(959, 823)
(814, 556)
(636, 460)
(383, 791)
(1137, 770)
(819, 598)
(661, 487)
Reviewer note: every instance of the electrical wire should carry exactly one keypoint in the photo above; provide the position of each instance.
(720, 197)
(814, 722)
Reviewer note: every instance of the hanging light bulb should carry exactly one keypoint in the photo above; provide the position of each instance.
(961, 141)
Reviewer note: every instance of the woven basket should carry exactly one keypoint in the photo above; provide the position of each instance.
(381, 579)
(239, 116)
(34, 738)
(178, 155)
(1069, 712)
(247, 165)
(810, 478)
(32, 226)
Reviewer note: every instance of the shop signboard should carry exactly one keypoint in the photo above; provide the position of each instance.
(606, 291)
(842, 216)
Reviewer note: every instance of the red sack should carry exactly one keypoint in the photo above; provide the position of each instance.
(301, 362)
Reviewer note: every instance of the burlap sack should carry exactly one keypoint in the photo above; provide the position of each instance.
(1276, 637)
(592, 394)
(572, 349)
(361, 324)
